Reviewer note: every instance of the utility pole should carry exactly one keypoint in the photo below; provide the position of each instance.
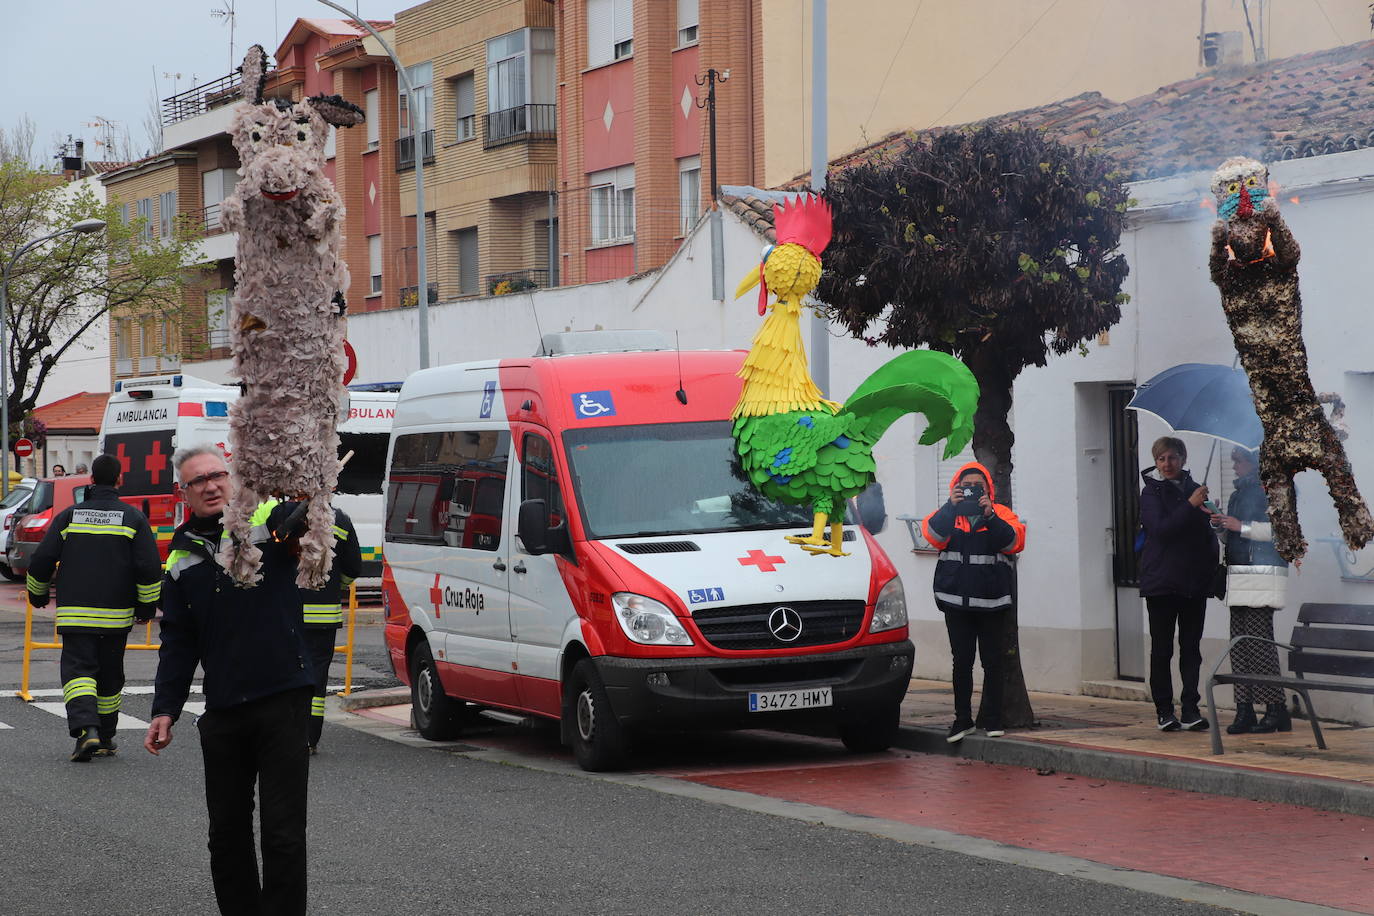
(820, 162)
(712, 77)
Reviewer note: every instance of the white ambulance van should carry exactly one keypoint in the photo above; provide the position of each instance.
(147, 419)
(569, 536)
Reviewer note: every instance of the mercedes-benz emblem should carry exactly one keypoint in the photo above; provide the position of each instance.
(785, 624)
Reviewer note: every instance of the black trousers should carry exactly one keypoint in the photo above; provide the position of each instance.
(319, 642)
(1168, 612)
(262, 743)
(92, 667)
(979, 631)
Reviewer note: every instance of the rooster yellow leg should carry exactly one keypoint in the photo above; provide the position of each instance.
(834, 546)
(817, 538)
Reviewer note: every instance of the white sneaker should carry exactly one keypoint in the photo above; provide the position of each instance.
(995, 732)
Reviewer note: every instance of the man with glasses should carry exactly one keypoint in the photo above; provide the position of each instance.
(109, 578)
(257, 686)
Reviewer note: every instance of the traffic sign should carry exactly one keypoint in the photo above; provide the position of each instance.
(23, 448)
(352, 358)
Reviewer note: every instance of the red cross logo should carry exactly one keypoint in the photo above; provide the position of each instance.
(436, 595)
(124, 463)
(763, 561)
(156, 462)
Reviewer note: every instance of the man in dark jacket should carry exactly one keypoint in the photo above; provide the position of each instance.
(110, 576)
(323, 609)
(973, 583)
(257, 691)
(1177, 565)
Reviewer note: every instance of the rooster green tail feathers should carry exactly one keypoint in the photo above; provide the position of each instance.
(927, 382)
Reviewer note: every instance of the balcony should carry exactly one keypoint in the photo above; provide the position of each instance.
(200, 99)
(410, 295)
(516, 281)
(523, 122)
(405, 150)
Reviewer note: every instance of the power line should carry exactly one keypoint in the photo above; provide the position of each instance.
(891, 63)
(994, 66)
(1329, 23)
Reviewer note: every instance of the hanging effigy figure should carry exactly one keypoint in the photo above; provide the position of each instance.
(286, 320)
(1254, 262)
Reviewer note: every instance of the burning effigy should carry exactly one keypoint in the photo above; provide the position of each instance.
(1254, 263)
(286, 320)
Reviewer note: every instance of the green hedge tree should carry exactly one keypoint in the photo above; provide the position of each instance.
(998, 245)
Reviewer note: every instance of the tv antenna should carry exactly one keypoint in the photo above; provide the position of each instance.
(226, 14)
(106, 131)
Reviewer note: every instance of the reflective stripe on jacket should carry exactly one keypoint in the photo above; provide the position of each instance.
(323, 607)
(974, 571)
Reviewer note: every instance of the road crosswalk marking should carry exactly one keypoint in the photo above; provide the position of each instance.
(126, 721)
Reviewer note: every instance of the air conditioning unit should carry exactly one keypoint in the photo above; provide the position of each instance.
(1223, 49)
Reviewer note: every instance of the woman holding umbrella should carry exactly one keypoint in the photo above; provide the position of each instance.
(1177, 565)
(1256, 583)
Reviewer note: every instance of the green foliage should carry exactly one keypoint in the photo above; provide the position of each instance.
(62, 288)
(1017, 253)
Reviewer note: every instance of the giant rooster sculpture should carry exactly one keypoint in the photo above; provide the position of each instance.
(796, 446)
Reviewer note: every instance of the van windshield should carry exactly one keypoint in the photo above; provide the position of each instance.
(667, 478)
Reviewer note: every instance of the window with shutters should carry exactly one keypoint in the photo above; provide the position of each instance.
(465, 107)
(468, 284)
(612, 200)
(374, 263)
(145, 214)
(689, 192)
(217, 317)
(372, 112)
(166, 213)
(687, 22)
(610, 31)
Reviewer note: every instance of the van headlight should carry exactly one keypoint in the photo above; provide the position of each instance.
(889, 611)
(648, 622)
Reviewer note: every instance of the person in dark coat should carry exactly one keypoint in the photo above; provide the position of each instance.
(323, 610)
(110, 576)
(257, 686)
(1256, 584)
(974, 587)
(1177, 566)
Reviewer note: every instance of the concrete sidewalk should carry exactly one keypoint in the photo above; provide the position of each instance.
(1117, 739)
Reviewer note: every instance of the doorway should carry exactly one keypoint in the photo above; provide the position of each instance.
(1130, 614)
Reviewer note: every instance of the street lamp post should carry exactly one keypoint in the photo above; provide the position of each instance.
(417, 119)
(85, 227)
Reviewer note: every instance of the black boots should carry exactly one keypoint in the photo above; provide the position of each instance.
(1245, 719)
(1276, 719)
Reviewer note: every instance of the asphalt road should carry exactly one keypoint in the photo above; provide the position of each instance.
(402, 826)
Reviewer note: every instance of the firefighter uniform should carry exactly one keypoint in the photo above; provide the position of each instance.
(110, 575)
(323, 613)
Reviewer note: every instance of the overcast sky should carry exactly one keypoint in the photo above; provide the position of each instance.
(68, 62)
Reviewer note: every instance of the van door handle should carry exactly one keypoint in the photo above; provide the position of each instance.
(519, 566)
(499, 566)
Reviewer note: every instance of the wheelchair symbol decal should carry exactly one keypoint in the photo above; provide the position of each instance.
(702, 595)
(589, 404)
(488, 396)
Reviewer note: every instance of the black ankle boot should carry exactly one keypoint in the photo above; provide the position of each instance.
(1276, 719)
(1245, 719)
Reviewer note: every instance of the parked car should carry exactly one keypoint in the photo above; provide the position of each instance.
(13, 507)
(50, 496)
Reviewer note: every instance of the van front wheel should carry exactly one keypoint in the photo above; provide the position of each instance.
(436, 715)
(870, 730)
(598, 739)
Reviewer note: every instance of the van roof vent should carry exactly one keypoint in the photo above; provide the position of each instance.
(567, 343)
(659, 547)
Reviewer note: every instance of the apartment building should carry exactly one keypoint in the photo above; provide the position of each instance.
(634, 161)
(198, 169)
(484, 71)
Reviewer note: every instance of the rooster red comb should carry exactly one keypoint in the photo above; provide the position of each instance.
(804, 221)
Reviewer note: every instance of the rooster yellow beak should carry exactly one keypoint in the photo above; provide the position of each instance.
(750, 281)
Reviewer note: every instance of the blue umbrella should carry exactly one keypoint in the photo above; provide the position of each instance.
(1203, 398)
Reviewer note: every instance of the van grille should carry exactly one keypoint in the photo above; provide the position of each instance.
(660, 547)
(746, 626)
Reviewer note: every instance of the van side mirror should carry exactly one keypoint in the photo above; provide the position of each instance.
(535, 534)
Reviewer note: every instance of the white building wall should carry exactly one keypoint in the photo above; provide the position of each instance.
(1067, 599)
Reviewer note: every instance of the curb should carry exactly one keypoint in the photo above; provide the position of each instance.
(1326, 794)
(367, 699)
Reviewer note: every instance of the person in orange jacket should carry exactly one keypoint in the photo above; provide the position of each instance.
(974, 581)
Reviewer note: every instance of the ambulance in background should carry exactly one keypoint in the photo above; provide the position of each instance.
(570, 536)
(148, 419)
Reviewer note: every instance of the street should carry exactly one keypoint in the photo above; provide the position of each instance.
(503, 821)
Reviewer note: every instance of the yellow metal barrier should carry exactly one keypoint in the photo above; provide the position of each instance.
(56, 643)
